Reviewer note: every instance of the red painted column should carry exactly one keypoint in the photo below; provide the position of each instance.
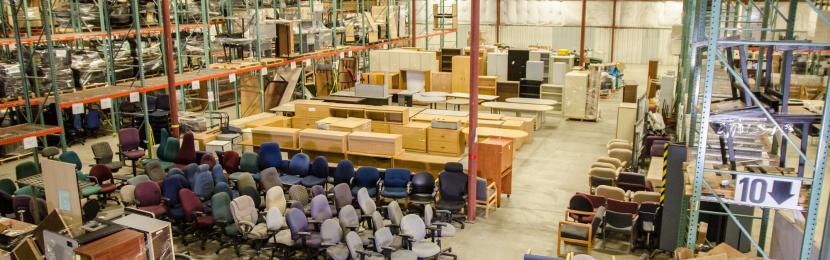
(582, 34)
(475, 35)
(167, 37)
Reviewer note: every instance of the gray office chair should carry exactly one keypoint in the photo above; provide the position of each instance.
(103, 155)
(620, 223)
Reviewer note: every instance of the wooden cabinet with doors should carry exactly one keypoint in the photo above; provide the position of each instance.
(495, 163)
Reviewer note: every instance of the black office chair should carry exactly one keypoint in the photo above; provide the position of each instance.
(453, 185)
(423, 189)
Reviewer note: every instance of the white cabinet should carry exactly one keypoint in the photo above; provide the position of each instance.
(497, 65)
(579, 100)
(626, 119)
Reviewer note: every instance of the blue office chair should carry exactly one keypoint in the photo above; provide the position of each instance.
(319, 172)
(93, 122)
(297, 170)
(271, 156)
(366, 177)
(395, 183)
(76, 131)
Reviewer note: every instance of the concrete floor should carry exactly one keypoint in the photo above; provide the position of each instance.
(546, 174)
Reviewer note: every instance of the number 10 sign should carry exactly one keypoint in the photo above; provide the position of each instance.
(768, 192)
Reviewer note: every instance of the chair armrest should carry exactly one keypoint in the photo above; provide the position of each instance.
(92, 178)
(568, 212)
(198, 213)
(492, 185)
(165, 200)
(245, 227)
(304, 234)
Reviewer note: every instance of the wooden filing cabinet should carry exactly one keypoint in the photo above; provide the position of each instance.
(311, 109)
(444, 141)
(323, 140)
(277, 121)
(495, 162)
(461, 74)
(158, 236)
(414, 135)
(487, 85)
(384, 116)
(375, 143)
(304, 122)
(124, 244)
(285, 137)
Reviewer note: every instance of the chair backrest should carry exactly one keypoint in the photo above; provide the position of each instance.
(631, 177)
(344, 172)
(138, 179)
(223, 187)
(394, 212)
(93, 118)
(320, 209)
(230, 161)
(330, 232)
(348, 217)
(596, 201)
(397, 177)
(203, 184)
(377, 220)
(342, 195)
(603, 172)
(320, 167)
(269, 155)
(102, 152)
(176, 171)
(619, 219)
(613, 161)
(611, 192)
(187, 152)
(77, 123)
(245, 180)
(298, 165)
(253, 193)
(597, 181)
(269, 177)
(101, 172)
(354, 243)
(624, 155)
(366, 176)
(275, 198)
(71, 157)
(171, 150)
(129, 139)
(481, 189)
(423, 183)
(221, 208)
(248, 162)
(452, 182)
(163, 141)
(317, 190)
(641, 197)
(7, 186)
(26, 169)
(429, 213)
(631, 187)
(190, 203)
(581, 202)
(657, 148)
(163, 102)
(366, 203)
(622, 206)
(299, 194)
(154, 171)
(274, 220)
(412, 225)
(383, 238)
(243, 210)
(603, 165)
(218, 174)
(297, 222)
(127, 193)
(147, 194)
(190, 171)
(171, 186)
(208, 159)
(619, 145)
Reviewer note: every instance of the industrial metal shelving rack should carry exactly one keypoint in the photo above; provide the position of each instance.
(719, 29)
(119, 90)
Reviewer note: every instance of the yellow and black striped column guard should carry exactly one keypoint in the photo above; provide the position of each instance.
(665, 171)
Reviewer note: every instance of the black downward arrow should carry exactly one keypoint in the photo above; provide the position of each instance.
(781, 191)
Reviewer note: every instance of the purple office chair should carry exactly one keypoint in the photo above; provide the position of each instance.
(128, 143)
(148, 198)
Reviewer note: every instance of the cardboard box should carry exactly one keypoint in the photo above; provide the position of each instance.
(311, 109)
(414, 135)
(218, 146)
(323, 140)
(375, 143)
(285, 137)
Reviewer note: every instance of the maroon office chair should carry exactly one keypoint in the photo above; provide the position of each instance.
(102, 174)
(187, 152)
(230, 162)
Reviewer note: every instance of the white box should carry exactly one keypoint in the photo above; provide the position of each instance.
(218, 146)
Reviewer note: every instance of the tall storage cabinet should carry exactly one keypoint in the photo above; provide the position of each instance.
(497, 65)
(517, 64)
(580, 101)
(495, 163)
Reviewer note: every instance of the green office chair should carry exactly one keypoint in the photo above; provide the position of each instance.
(72, 157)
(23, 170)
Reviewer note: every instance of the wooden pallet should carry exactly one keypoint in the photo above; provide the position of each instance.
(234, 66)
(13, 157)
(93, 86)
(267, 61)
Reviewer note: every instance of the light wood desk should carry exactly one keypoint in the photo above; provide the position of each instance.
(537, 110)
(532, 101)
(518, 136)
(417, 162)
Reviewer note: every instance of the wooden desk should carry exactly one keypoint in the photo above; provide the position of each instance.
(532, 101)
(126, 244)
(418, 162)
(538, 110)
(518, 136)
(342, 99)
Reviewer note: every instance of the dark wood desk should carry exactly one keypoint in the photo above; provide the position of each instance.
(126, 244)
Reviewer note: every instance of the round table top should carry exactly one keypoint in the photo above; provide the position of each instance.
(532, 101)
(435, 94)
(458, 101)
(427, 99)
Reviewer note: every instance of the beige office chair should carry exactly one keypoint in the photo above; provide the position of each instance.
(604, 165)
(614, 161)
(627, 146)
(617, 141)
(645, 196)
(610, 192)
(624, 155)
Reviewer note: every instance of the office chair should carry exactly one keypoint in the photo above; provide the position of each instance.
(102, 174)
(302, 232)
(613, 161)
(320, 209)
(170, 191)
(317, 190)
(618, 222)
(253, 193)
(344, 173)
(275, 222)
(190, 172)
(439, 229)
(201, 224)
(50, 152)
(270, 177)
(223, 187)
(342, 196)
(395, 183)
(642, 197)
(297, 194)
(203, 185)
(486, 195)
(356, 250)
(366, 177)
(648, 221)
(230, 161)
(148, 198)
(154, 172)
(622, 206)
(224, 221)
(248, 163)
(297, 170)
(275, 198)
(271, 156)
(76, 133)
(384, 241)
(26, 169)
(423, 189)
(318, 172)
(137, 179)
(246, 219)
(332, 235)
(127, 194)
(72, 157)
(395, 215)
(187, 151)
(6, 204)
(7, 186)
(452, 183)
(167, 157)
(93, 122)
(581, 208)
(103, 155)
(601, 176)
(415, 231)
(610, 192)
(128, 144)
(246, 180)
(208, 159)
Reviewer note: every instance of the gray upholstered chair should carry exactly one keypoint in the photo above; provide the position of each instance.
(103, 155)
(619, 223)
(415, 231)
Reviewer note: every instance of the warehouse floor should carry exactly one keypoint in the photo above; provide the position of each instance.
(546, 174)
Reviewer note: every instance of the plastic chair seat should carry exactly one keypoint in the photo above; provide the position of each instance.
(404, 255)
(338, 252)
(314, 240)
(157, 210)
(114, 166)
(134, 155)
(291, 179)
(26, 190)
(260, 231)
(447, 230)
(310, 180)
(394, 192)
(283, 237)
